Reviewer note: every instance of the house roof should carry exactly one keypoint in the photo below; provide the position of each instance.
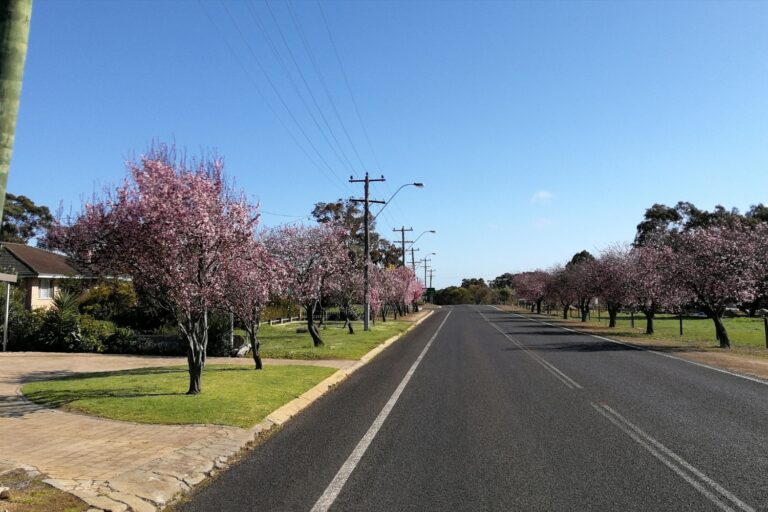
(40, 262)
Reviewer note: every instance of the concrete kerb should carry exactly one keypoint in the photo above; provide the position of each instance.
(286, 412)
(157, 483)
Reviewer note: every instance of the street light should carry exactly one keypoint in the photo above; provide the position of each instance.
(424, 233)
(415, 184)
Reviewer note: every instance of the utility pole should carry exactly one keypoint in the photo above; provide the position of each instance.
(431, 271)
(413, 259)
(366, 215)
(402, 231)
(14, 36)
(426, 266)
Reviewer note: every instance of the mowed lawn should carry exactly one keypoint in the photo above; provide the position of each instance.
(283, 342)
(232, 395)
(743, 332)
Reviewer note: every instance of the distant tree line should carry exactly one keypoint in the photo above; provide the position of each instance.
(683, 258)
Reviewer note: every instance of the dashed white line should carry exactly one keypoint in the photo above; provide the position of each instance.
(640, 347)
(562, 377)
(716, 493)
(337, 484)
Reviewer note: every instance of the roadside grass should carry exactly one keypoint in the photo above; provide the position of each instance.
(31, 494)
(232, 395)
(283, 342)
(745, 333)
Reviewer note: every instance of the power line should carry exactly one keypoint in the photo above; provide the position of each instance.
(349, 88)
(343, 157)
(313, 60)
(279, 96)
(258, 89)
(354, 101)
(279, 58)
(281, 214)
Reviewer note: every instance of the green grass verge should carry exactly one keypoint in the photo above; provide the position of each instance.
(283, 342)
(743, 332)
(232, 395)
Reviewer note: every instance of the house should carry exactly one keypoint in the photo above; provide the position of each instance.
(40, 271)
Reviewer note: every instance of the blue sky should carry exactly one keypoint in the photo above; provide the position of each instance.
(538, 128)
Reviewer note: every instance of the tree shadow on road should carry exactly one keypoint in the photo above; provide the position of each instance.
(601, 346)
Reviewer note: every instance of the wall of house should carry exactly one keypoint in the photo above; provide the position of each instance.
(33, 294)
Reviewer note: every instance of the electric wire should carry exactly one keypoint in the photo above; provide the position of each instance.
(349, 87)
(279, 96)
(343, 158)
(387, 188)
(255, 84)
(318, 71)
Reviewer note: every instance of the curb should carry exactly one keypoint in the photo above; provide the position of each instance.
(289, 410)
(283, 414)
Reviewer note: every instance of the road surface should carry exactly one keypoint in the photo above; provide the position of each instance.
(479, 409)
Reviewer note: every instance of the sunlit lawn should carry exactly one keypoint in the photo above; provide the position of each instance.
(232, 395)
(743, 332)
(282, 341)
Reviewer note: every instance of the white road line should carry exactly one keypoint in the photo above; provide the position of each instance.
(652, 351)
(562, 377)
(337, 484)
(716, 493)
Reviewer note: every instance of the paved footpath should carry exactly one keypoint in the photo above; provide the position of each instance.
(112, 465)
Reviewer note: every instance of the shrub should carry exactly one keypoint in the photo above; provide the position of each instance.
(24, 329)
(110, 300)
(94, 333)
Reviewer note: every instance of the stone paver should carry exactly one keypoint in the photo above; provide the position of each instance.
(111, 465)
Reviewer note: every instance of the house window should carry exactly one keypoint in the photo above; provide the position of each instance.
(46, 289)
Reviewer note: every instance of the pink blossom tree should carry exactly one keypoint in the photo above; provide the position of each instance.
(171, 228)
(252, 277)
(403, 280)
(560, 289)
(346, 289)
(581, 270)
(376, 301)
(385, 284)
(719, 266)
(531, 286)
(650, 282)
(415, 291)
(310, 258)
(612, 275)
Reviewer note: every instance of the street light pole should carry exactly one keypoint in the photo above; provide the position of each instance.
(416, 184)
(422, 234)
(366, 280)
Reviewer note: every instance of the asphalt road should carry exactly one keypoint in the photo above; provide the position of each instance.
(483, 410)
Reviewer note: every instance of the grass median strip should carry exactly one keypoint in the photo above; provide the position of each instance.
(283, 342)
(232, 395)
